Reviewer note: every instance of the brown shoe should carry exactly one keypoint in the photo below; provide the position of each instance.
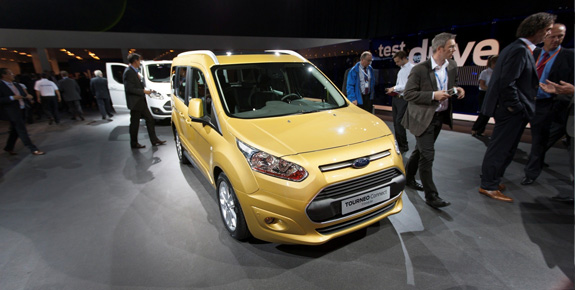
(495, 194)
(501, 187)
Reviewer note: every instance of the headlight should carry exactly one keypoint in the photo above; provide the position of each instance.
(156, 95)
(271, 165)
(396, 147)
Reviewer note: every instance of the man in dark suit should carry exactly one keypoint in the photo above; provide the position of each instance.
(553, 63)
(11, 107)
(428, 92)
(510, 99)
(136, 101)
(70, 91)
(99, 88)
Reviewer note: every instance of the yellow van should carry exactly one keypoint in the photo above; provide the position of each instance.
(291, 159)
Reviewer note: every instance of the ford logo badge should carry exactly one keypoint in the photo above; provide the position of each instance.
(360, 163)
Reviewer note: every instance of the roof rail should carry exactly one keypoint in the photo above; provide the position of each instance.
(290, 52)
(205, 52)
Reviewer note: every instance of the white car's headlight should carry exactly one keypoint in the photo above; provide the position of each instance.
(156, 95)
(266, 163)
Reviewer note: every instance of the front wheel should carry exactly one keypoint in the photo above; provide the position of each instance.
(230, 209)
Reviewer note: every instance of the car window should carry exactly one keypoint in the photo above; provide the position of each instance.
(158, 72)
(199, 89)
(179, 82)
(275, 89)
(118, 73)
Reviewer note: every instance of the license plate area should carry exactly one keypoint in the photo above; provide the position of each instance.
(364, 200)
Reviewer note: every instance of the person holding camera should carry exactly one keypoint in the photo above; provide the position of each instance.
(428, 92)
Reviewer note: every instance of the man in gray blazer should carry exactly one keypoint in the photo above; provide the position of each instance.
(428, 92)
(99, 88)
(510, 99)
(70, 91)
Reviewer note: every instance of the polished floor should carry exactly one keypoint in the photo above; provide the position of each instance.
(94, 214)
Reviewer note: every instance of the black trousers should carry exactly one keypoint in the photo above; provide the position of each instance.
(105, 107)
(398, 108)
(75, 108)
(540, 130)
(367, 103)
(482, 120)
(18, 130)
(423, 155)
(501, 149)
(50, 106)
(135, 116)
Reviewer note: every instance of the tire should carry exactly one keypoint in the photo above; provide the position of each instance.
(230, 209)
(180, 149)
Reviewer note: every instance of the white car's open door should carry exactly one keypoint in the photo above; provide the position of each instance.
(115, 73)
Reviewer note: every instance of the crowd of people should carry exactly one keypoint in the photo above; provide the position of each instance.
(28, 98)
(524, 84)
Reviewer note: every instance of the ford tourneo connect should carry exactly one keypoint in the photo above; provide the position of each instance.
(292, 161)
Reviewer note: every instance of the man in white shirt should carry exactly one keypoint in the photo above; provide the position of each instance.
(48, 95)
(398, 104)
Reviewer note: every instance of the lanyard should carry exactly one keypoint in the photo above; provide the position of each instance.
(442, 83)
(537, 63)
(365, 73)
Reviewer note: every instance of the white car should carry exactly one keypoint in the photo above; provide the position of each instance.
(156, 76)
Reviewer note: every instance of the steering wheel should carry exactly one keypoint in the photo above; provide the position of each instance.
(291, 96)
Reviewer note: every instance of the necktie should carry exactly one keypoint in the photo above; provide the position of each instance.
(366, 79)
(541, 64)
(15, 91)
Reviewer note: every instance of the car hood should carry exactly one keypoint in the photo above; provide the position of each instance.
(295, 134)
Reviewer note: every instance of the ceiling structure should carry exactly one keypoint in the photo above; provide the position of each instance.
(359, 19)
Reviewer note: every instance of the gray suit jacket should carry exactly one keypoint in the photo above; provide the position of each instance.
(70, 89)
(418, 93)
(99, 88)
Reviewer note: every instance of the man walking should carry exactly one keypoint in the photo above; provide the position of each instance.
(428, 92)
(48, 95)
(70, 91)
(100, 91)
(510, 99)
(12, 107)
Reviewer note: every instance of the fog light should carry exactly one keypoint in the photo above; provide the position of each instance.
(269, 220)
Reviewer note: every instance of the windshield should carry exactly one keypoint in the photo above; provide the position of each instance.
(275, 89)
(159, 72)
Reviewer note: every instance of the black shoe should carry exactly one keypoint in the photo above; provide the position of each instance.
(565, 199)
(138, 146)
(110, 115)
(104, 118)
(82, 118)
(158, 143)
(435, 201)
(414, 185)
(527, 181)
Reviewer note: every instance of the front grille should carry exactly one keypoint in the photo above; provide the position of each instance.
(358, 185)
(326, 206)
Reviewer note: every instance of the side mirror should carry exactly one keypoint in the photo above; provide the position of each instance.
(196, 110)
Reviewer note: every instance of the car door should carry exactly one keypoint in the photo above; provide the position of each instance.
(115, 76)
(203, 135)
(180, 79)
